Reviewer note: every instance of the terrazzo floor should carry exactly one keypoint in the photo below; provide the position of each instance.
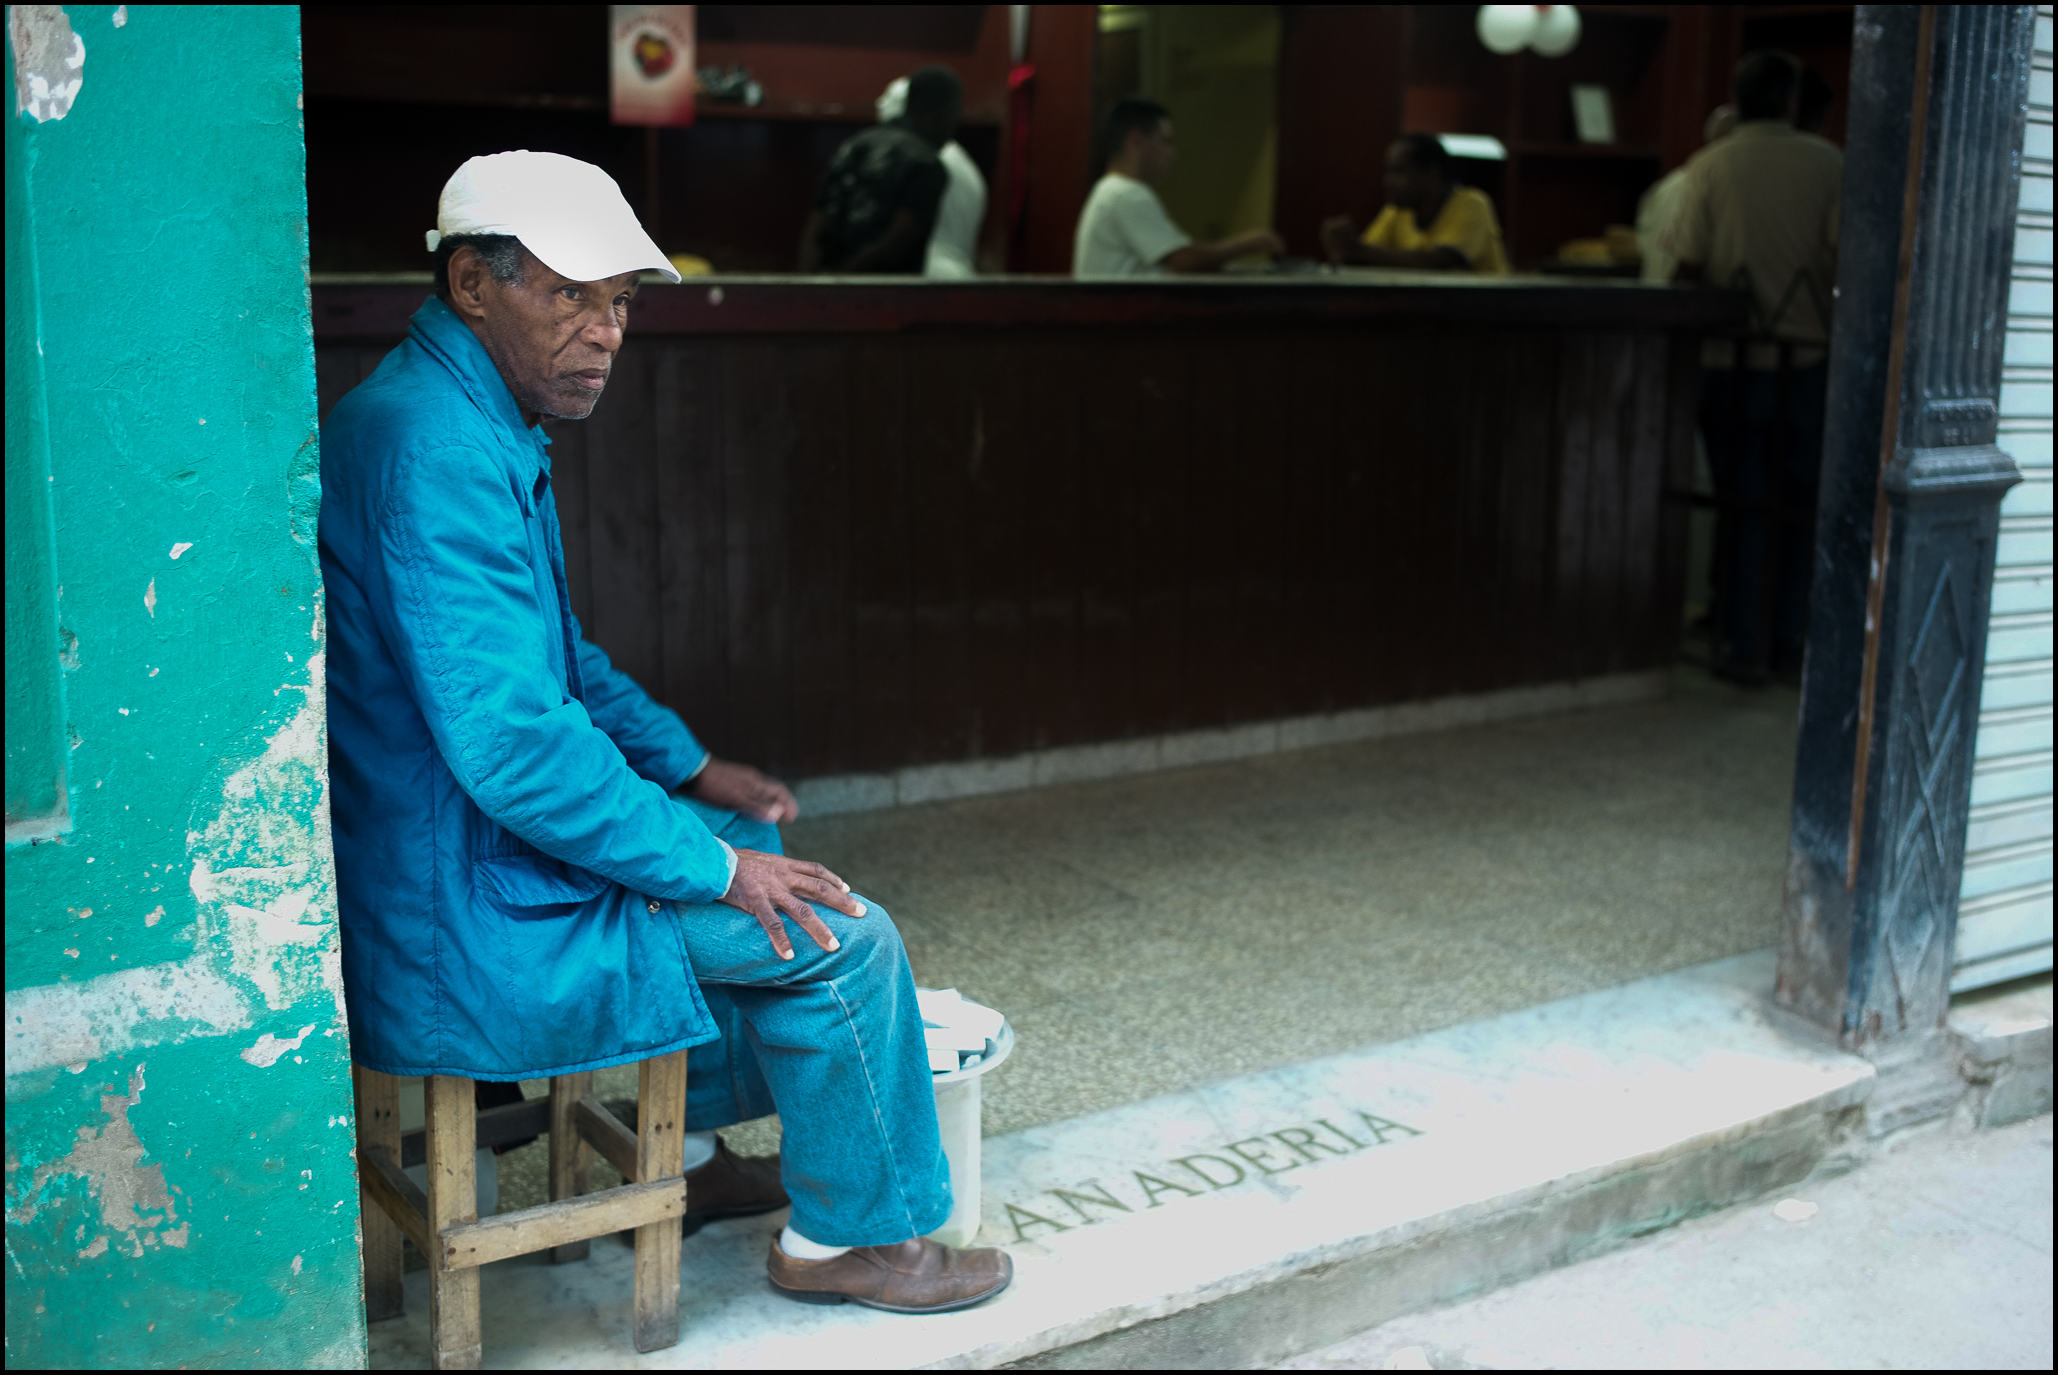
(1150, 933)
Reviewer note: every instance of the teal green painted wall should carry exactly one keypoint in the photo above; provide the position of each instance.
(180, 1189)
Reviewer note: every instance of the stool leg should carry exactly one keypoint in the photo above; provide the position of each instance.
(569, 1153)
(660, 1154)
(378, 1128)
(452, 1130)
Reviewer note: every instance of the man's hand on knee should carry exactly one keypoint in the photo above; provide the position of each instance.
(740, 788)
(767, 885)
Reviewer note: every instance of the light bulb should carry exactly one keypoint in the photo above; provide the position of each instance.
(1557, 31)
(1505, 28)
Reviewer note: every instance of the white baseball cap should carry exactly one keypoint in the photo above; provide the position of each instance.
(569, 213)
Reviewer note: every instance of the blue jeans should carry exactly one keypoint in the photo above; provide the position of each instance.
(833, 1042)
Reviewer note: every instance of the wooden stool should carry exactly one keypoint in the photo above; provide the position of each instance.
(445, 1226)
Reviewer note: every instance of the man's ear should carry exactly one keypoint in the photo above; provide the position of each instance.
(468, 276)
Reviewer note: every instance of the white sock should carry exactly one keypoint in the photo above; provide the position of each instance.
(700, 1148)
(800, 1248)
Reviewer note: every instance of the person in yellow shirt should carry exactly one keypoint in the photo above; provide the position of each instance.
(1463, 234)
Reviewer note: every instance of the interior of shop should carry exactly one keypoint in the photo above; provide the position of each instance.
(1046, 568)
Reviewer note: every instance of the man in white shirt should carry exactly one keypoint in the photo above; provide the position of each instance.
(1655, 210)
(953, 249)
(1758, 211)
(1124, 230)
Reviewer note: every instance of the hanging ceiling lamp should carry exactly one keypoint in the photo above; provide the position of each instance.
(1557, 30)
(1549, 30)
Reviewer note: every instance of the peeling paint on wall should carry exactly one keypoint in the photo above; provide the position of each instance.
(263, 863)
(49, 61)
(136, 1206)
(265, 887)
(269, 1048)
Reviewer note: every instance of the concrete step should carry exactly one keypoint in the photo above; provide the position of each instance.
(1246, 1221)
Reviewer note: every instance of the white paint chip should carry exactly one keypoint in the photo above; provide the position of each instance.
(150, 599)
(296, 1265)
(183, 545)
(1794, 1210)
(269, 1048)
(49, 62)
(121, 15)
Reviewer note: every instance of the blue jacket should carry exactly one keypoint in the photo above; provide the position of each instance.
(500, 793)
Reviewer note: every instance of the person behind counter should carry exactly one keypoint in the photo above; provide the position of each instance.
(1758, 211)
(1463, 234)
(877, 204)
(1123, 229)
(954, 243)
(1654, 211)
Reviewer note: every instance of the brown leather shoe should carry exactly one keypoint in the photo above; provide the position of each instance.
(729, 1185)
(919, 1276)
(733, 1185)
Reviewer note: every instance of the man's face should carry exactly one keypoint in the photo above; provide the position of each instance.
(1158, 151)
(554, 340)
(1407, 185)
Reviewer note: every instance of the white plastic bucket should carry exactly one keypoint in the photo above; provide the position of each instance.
(957, 1118)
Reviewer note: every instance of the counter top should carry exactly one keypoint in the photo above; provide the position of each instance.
(377, 307)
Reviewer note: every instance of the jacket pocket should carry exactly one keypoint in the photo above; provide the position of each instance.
(537, 885)
(574, 968)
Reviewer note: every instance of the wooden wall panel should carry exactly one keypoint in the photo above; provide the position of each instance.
(1057, 384)
(883, 572)
(691, 602)
(621, 461)
(850, 552)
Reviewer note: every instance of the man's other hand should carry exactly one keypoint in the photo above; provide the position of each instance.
(767, 885)
(1258, 241)
(740, 788)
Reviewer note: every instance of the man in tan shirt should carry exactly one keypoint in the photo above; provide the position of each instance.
(1758, 211)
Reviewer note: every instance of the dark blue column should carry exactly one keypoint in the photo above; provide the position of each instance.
(1908, 513)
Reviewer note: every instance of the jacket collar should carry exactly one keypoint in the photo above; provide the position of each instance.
(450, 341)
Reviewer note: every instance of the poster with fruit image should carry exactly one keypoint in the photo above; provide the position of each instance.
(651, 73)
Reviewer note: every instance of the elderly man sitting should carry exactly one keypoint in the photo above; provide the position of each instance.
(540, 870)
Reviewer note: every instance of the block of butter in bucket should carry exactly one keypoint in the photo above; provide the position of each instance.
(966, 1040)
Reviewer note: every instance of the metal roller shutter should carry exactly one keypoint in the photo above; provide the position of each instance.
(2004, 907)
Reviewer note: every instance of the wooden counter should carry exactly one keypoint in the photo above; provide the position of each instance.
(850, 526)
